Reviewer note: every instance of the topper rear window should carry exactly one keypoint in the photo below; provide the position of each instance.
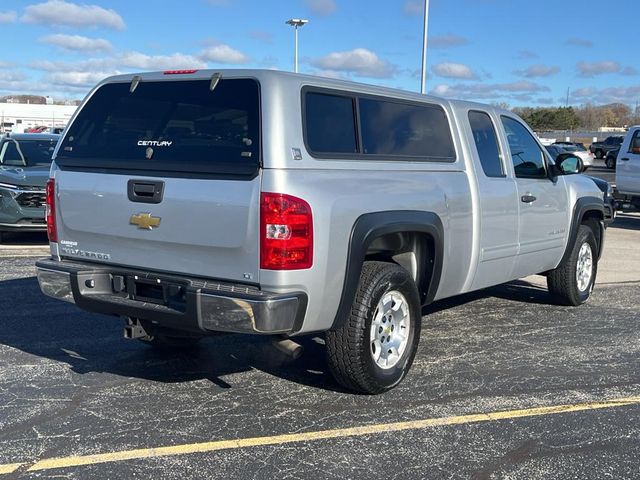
(180, 126)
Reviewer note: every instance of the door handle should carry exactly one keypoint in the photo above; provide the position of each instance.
(624, 159)
(145, 191)
(528, 198)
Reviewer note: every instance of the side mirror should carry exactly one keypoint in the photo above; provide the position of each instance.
(569, 164)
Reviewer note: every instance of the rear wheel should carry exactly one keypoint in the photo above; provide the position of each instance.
(373, 348)
(571, 283)
(599, 154)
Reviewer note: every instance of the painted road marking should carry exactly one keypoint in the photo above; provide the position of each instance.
(143, 453)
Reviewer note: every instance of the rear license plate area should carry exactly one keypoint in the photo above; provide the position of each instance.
(153, 290)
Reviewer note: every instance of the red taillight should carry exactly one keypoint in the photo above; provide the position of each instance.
(286, 232)
(50, 212)
(179, 72)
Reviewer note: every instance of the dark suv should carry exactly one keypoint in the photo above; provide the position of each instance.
(25, 160)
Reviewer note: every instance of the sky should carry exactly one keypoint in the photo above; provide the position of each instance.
(523, 53)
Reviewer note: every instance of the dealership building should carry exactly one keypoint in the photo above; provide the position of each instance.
(17, 117)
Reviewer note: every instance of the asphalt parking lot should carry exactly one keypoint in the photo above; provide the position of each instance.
(504, 386)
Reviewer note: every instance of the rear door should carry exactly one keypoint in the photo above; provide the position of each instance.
(628, 164)
(164, 175)
(498, 198)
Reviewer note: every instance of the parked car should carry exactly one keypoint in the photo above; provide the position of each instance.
(39, 129)
(579, 145)
(628, 168)
(182, 202)
(600, 149)
(556, 149)
(25, 160)
(611, 158)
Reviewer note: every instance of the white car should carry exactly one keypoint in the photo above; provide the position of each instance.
(585, 155)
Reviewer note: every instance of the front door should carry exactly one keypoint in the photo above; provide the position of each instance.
(543, 203)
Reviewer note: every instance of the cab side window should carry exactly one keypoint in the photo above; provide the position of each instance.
(484, 136)
(527, 157)
(634, 146)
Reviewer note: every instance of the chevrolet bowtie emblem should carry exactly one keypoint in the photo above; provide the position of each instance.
(144, 221)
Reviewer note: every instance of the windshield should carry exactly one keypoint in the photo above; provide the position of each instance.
(26, 153)
(570, 148)
(169, 126)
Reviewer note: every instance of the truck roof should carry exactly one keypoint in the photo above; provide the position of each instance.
(265, 75)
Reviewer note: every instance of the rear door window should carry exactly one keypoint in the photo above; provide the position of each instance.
(171, 126)
(486, 140)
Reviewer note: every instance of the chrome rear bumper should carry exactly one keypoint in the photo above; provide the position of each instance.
(171, 301)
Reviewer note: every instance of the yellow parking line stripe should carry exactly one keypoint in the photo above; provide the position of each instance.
(9, 468)
(143, 453)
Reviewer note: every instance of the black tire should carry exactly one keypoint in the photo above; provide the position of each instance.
(169, 342)
(3, 237)
(563, 281)
(599, 153)
(349, 346)
(609, 163)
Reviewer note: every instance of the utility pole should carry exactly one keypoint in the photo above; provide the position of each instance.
(567, 104)
(295, 23)
(425, 28)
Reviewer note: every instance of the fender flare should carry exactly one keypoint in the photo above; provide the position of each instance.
(370, 226)
(583, 206)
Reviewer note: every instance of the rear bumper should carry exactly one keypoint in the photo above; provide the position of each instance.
(171, 301)
(23, 227)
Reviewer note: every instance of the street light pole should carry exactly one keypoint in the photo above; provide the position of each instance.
(295, 23)
(423, 83)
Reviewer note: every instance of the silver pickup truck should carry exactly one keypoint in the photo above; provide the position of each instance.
(196, 202)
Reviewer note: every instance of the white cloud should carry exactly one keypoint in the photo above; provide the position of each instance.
(448, 40)
(321, 7)
(489, 91)
(8, 17)
(527, 55)
(588, 69)
(60, 12)
(222, 53)
(12, 76)
(538, 70)
(602, 96)
(174, 61)
(580, 42)
(453, 70)
(359, 61)
(6, 64)
(76, 79)
(413, 7)
(78, 43)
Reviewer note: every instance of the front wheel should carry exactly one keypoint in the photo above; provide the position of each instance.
(372, 349)
(599, 154)
(571, 283)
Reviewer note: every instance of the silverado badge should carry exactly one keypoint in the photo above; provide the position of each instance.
(144, 221)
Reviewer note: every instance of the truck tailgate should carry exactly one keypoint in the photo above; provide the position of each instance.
(206, 227)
